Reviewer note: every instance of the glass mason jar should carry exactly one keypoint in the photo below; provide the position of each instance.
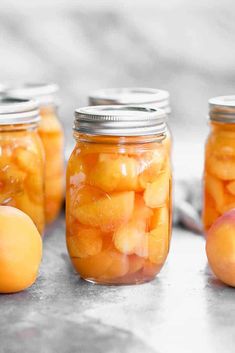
(219, 170)
(51, 133)
(118, 194)
(147, 97)
(22, 159)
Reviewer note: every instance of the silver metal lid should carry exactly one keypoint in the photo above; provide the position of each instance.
(18, 111)
(148, 97)
(117, 120)
(222, 109)
(44, 93)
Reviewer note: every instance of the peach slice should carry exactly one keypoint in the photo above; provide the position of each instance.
(215, 189)
(150, 270)
(92, 267)
(5, 161)
(210, 214)
(83, 195)
(135, 263)
(33, 210)
(12, 174)
(141, 214)
(27, 160)
(158, 243)
(231, 187)
(106, 265)
(54, 187)
(220, 248)
(151, 163)
(76, 170)
(34, 186)
(157, 193)
(130, 238)
(86, 242)
(115, 173)
(118, 267)
(229, 203)
(222, 166)
(108, 213)
(160, 216)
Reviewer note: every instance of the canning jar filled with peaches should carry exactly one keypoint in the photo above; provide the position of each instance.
(219, 171)
(51, 133)
(137, 96)
(118, 207)
(22, 159)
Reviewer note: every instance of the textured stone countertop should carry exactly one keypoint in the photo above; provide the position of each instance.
(184, 310)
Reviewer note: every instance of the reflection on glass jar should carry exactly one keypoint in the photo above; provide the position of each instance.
(219, 171)
(118, 207)
(138, 96)
(21, 159)
(51, 133)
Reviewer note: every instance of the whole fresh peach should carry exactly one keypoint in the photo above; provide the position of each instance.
(20, 250)
(220, 247)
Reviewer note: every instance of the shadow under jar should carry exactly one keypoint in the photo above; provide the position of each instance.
(118, 194)
(219, 169)
(22, 159)
(51, 133)
(137, 96)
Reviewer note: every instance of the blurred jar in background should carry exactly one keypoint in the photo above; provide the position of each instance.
(2, 90)
(147, 97)
(22, 159)
(118, 210)
(219, 170)
(51, 132)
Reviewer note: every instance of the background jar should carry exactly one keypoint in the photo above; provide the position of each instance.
(22, 159)
(51, 133)
(219, 170)
(118, 194)
(2, 90)
(138, 96)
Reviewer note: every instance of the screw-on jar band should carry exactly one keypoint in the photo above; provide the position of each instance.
(43, 93)
(222, 109)
(119, 120)
(18, 111)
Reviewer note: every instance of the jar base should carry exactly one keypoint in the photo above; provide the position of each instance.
(121, 283)
(145, 275)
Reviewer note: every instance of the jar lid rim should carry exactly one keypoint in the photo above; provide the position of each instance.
(222, 108)
(120, 120)
(18, 111)
(44, 93)
(129, 96)
(224, 101)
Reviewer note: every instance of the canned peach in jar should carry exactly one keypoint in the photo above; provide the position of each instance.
(21, 159)
(219, 169)
(51, 133)
(118, 194)
(137, 96)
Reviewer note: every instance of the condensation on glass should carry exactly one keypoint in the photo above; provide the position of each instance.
(22, 159)
(219, 170)
(51, 133)
(118, 202)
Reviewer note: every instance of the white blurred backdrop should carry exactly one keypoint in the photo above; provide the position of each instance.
(184, 46)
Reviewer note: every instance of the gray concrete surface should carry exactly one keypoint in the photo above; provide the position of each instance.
(184, 310)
